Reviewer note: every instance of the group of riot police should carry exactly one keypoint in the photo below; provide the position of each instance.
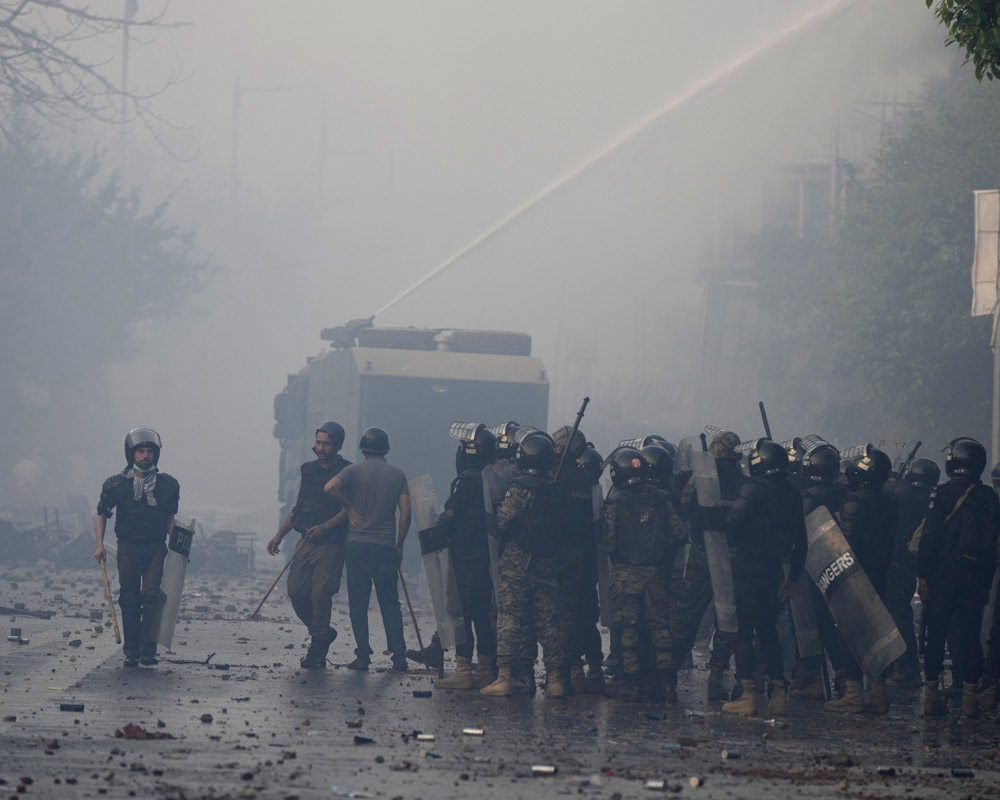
(797, 536)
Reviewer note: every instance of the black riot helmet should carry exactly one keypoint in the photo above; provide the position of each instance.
(964, 456)
(477, 451)
(142, 437)
(506, 444)
(374, 441)
(821, 465)
(628, 467)
(872, 469)
(591, 461)
(922, 472)
(796, 451)
(767, 458)
(659, 464)
(335, 431)
(536, 454)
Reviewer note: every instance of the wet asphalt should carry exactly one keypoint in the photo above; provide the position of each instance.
(264, 728)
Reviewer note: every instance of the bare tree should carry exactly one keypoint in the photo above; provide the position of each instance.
(48, 68)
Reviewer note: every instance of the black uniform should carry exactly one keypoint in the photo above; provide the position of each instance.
(911, 506)
(145, 505)
(315, 574)
(766, 526)
(470, 556)
(957, 558)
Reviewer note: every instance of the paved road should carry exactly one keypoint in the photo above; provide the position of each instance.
(280, 732)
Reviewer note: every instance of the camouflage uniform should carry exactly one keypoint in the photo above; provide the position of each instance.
(533, 599)
(640, 573)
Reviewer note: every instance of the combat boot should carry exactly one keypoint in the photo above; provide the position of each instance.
(554, 685)
(970, 703)
(878, 700)
(987, 697)
(716, 694)
(577, 678)
(809, 688)
(315, 657)
(485, 672)
(839, 683)
(777, 706)
(668, 684)
(501, 686)
(595, 678)
(626, 688)
(851, 702)
(934, 705)
(461, 678)
(431, 656)
(746, 704)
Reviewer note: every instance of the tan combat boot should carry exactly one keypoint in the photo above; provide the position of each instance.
(485, 672)
(746, 704)
(777, 706)
(934, 705)
(852, 701)
(878, 700)
(500, 687)
(554, 686)
(987, 697)
(970, 703)
(461, 678)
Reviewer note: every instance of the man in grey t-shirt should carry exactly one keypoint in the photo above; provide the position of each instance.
(372, 491)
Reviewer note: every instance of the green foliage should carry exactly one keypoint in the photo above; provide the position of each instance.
(884, 335)
(973, 25)
(81, 263)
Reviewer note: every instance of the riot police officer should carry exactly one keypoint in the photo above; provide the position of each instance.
(146, 500)
(956, 561)
(766, 526)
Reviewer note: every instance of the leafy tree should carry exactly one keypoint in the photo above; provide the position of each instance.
(974, 25)
(82, 265)
(873, 326)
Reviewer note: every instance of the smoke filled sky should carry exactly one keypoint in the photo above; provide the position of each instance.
(373, 140)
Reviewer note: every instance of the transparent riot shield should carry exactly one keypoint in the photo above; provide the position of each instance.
(859, 612)
(804, 618)
(720, 566)
(172, 583)
(603, 562)
(443, 586)
(423, 502)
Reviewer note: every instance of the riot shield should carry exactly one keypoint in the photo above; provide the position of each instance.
(720, 566)
(804, 618)
(859, 612)
(496, 479)
(443, 586)
(687, 446)
(172, 583)
(603, 562)
(423, 502)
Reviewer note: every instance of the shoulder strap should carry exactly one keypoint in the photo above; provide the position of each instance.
(961, 500)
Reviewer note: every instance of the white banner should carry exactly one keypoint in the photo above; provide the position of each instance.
(987, 258)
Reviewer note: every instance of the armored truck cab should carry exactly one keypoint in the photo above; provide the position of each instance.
(413, 383)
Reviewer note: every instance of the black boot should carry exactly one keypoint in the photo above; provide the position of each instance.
(668, 685)
(315, 657)
(431, 656)
(131, 626)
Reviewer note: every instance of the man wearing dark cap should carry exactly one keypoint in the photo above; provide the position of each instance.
(314, 574)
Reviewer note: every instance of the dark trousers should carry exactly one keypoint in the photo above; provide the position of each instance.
(898, 598)
(475, 589)
(993, 645)
(585, 638)
(313, 580)
(368, 565)
(757, 607)
(953, 600)
(140, 570)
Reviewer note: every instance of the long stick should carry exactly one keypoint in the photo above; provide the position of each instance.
(763, 418)
(406, 594)
(298, 547)
(111, 605)
(572, 436)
